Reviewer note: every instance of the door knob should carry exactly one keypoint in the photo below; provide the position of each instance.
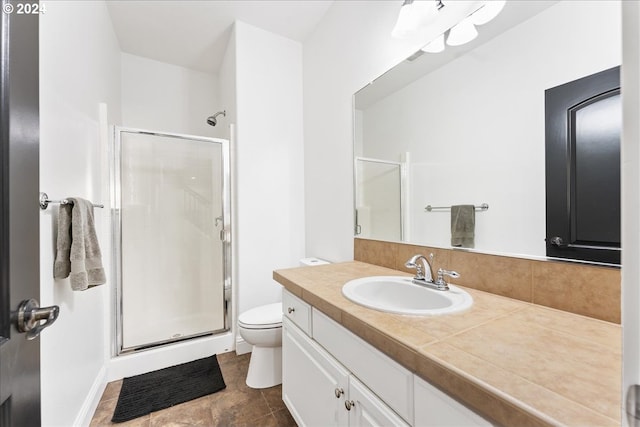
(349, 404)
(30, 315)
(557, 241)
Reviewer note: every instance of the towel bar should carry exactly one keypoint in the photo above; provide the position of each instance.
(44, 202)
(482, 207)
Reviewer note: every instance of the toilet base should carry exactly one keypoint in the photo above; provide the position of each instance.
(265, 367)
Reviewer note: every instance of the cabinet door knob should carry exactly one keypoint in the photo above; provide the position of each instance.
(290, 310)
(349, 404)
(339, 392)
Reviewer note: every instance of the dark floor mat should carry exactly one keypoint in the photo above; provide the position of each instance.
(166, 387)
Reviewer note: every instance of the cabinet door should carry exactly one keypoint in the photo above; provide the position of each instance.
(382, 375)
(311, 381)
(435, 408)
(366, 409)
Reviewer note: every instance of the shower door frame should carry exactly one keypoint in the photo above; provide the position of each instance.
(116, 225)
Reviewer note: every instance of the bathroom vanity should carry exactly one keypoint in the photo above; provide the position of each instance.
(501, 362)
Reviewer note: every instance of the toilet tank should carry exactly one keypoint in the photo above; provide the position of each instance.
(311, 261)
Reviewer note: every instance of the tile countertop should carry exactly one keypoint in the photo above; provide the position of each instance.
(517, 363)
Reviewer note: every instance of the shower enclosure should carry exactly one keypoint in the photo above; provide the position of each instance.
(171, 237)
(380, 199)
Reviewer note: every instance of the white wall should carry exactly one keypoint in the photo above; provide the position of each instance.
(269, 162)
(351, 46)
(227, 86)
(170, 98)
(79, 68)
(475, 127)
(166, 97)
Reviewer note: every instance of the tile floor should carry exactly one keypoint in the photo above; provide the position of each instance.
(236, 405)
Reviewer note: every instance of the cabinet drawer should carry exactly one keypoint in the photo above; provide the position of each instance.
(382, 375)
(296, 310)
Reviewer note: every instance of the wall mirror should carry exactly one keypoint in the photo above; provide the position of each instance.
(467, 126)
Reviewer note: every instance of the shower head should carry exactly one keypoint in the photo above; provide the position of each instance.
(211, 120)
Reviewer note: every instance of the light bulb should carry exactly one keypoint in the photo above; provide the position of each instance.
(435, 46)
(462, 33)
(413, 15)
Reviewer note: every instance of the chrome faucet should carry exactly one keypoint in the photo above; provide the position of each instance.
(424, 274)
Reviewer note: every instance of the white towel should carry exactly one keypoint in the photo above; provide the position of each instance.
(78, 253)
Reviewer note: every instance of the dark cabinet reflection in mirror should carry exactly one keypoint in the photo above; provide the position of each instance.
(583, 125)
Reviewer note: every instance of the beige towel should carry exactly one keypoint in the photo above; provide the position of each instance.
(463, 223)
(78, 253)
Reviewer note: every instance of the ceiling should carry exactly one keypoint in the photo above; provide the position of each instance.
(194, 34)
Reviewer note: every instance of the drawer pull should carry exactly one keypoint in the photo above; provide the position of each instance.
(349, 404)
(290, 310)
(339, 392)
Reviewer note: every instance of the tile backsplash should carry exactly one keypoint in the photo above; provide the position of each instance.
(589, 290)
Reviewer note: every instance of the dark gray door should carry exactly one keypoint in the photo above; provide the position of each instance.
(583, 125)
(19, 234)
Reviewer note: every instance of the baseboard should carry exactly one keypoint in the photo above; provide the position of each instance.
(92, 400)
(242, 346)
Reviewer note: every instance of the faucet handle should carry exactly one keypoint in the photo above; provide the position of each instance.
(450, 273)
(440, 282)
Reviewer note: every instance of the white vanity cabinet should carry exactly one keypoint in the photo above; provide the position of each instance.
(331, 377)
(313, 383)
(367, 409)
(298, 311)
(435, 408)
(319, 391)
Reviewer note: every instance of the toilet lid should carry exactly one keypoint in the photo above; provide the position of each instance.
(263, 317)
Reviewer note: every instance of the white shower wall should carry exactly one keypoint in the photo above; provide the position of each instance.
(170, 98)
(165, 97)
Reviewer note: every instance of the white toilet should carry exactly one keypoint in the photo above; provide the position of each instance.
(262, 327)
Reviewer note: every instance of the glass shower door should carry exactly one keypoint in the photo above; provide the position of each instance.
(379, 199)
(172, 270)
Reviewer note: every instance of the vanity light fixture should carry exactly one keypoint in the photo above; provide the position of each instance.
(435, 46)
(415, 15)
(462, 33)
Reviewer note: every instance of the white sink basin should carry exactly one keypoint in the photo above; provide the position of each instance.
(397, 294)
